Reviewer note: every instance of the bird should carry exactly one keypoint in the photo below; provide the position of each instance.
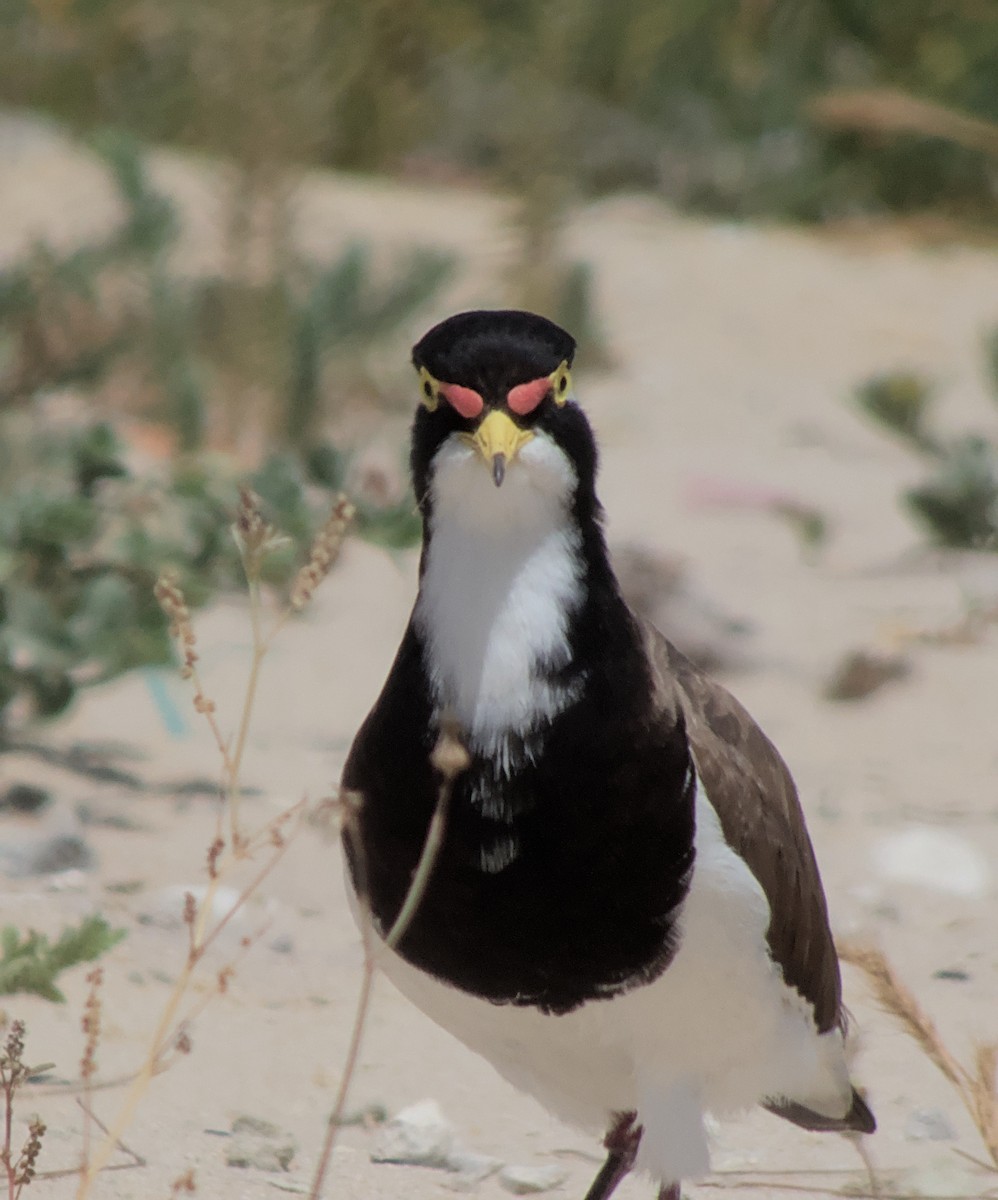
(624, 914)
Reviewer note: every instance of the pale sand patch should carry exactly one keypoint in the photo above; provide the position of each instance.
(736, 349)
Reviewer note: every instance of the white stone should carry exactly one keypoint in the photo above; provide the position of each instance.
(419, 1135)
(929, 1125)
(525, 1181)
(470, 1168)
(933, 858)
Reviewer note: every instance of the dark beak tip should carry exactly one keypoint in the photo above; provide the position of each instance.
(498, 469)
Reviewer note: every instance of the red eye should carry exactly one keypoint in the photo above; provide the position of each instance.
(464, 399)
(525, 397)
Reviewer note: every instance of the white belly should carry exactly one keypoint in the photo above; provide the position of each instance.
(718, 1031)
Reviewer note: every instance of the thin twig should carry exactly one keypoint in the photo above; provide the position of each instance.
(256, 539)
(449, 759)
(137, 1159)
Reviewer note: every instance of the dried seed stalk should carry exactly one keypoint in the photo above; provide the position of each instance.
(450, 758)
(977, 1088)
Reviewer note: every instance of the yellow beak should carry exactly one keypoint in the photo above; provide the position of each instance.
(499, 440)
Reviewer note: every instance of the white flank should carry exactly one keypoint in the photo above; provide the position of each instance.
(502, 575)
(717, 1032)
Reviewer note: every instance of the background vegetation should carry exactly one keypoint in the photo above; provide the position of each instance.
(744, 107)
(809, 110)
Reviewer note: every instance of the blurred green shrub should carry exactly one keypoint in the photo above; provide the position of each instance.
(83, 538)
(958, 504)
(31, 962)
(710, 101)
(84, 531)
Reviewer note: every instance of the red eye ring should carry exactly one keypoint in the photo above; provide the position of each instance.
(525, 397)
(464, 400)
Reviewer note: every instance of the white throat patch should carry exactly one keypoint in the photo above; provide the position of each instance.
(503, 573)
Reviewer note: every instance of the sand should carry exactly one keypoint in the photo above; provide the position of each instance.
(736, 348)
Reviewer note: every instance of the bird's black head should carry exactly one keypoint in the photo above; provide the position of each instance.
(498, 382)
(493, 351)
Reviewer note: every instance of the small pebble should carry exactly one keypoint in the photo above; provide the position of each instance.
(24, 798)
(45, 854)
(860, 673)
(255, 1125)
(259, 1144)
(419, 1135)
(933, 858)
(263, 1154)
(367, 1115)
(929, 1125)
(470, 1168)
(525, 1181)
(952, 973)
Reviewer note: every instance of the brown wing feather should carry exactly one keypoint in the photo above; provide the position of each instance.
(756, 801)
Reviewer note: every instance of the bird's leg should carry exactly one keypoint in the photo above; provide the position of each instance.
(672, 1192)
(858, 1141)
(621, 1141)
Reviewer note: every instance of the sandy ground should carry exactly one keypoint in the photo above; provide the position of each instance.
(736, 350)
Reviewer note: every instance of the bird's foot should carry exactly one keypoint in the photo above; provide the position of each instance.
(621, 1141)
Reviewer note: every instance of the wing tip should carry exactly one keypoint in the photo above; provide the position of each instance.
(859, 1118)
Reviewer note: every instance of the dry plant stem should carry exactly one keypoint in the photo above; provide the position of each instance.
(259, 650)
(91, 1025)
(164, 1035)
(450, 758)
(255, 538)
(977, 1088)
(424, 868)
(349, 1067)
(200, 935)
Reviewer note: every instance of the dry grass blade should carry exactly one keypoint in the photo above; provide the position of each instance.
(449, 758)
(977, 1088)
(895, 997)
(984, 1091)
(890, 110)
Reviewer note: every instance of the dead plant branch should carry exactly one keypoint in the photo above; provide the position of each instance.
(449, 758)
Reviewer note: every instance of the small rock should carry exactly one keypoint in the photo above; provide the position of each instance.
(263, 1154)
(259, 1144)
(929, 1125)
(955, 974)
(524, 1181)
(107, 818)
(255, 1125)
(935, 859)
(45, 854)
(470, 1168)
(367, 1115)
(24, 798)
(419, 1135)
(860, 673)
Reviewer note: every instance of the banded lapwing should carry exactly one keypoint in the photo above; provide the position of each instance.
(625, 916)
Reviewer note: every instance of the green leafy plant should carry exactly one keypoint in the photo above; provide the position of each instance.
(30, 962)
(958, 503)
(83, 538)
(110, 317)
(84, 529)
